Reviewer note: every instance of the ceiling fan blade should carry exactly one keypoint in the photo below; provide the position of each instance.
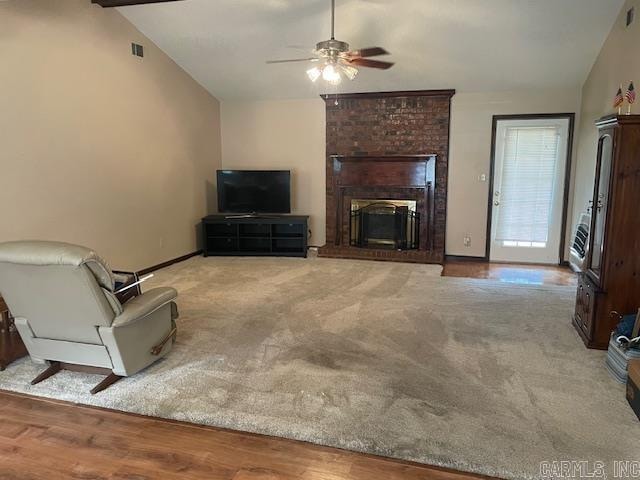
(363, 62)
(126, 3)
(369, 52)
(311, 59)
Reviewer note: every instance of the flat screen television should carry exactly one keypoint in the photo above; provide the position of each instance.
(254, 191)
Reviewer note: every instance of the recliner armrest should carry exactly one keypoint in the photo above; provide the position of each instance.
(141, 306)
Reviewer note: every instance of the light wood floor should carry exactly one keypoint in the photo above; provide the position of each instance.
(50, 439)
(511, 273)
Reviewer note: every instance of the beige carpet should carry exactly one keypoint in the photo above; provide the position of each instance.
(376, 357)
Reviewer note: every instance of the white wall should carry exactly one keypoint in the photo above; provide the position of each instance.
(617, 63)
(470, 157)
(291, 134)
(98, 147)
(119, 153)
(281, 134)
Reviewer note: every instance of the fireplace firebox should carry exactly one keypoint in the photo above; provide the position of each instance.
(384, 224)
(388, 178)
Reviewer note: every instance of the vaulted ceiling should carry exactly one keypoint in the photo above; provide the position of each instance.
(470, 45)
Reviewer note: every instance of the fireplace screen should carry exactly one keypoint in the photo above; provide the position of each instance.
(388, 224)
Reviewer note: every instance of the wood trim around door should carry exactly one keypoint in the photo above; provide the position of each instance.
(567, 172)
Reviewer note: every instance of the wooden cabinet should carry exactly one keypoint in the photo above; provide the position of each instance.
(611, 277)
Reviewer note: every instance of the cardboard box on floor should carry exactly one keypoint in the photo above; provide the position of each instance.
(633, 386)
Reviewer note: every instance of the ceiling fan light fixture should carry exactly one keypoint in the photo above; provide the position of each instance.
(314, 73)
(331, 74)
(349, 71)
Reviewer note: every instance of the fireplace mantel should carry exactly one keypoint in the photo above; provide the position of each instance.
(383, 170)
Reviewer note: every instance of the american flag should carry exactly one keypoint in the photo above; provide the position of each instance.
(619, 98)
(631, 93)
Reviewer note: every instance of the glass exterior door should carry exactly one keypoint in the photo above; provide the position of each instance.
(528, 190)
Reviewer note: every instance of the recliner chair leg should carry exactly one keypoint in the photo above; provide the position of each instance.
(54, 367)
(107, 382)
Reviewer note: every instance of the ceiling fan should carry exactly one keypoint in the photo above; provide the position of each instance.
(334, 58)
(126, 3)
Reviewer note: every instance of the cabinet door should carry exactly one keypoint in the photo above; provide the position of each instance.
(579, 310)
(599, 205)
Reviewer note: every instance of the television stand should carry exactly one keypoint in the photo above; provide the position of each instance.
(250, 235)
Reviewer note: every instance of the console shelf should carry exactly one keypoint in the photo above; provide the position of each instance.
(273, 235)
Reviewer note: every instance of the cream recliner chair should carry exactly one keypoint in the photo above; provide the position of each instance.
(62, 298)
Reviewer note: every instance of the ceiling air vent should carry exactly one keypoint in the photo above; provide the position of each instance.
(631, 13)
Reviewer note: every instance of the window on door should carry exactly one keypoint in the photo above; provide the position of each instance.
(528, 190)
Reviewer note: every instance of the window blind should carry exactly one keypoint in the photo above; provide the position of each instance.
(526, 190)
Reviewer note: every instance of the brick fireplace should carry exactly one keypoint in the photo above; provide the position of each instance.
(388, 146)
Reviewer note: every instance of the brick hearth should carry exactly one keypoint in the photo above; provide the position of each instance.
(391, 124)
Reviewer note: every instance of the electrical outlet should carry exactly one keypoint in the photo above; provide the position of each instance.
(467, 240)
